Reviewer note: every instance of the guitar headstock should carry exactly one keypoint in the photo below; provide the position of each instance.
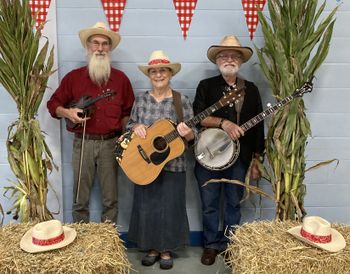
(305, 88)
(232, 96)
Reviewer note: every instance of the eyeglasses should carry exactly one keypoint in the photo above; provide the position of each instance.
(154, 72)
(226, 57)
(95, 44)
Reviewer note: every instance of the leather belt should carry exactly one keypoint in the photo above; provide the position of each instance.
(98, 136)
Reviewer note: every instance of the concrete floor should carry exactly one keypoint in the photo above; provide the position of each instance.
(187, 261)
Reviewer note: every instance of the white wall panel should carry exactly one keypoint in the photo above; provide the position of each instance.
(328, 148)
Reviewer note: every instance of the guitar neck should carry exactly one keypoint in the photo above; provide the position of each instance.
(204, 114)
(195, 120)
(266, 113)
(225, 100)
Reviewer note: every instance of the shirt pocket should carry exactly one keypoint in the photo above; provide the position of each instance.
(113, 111)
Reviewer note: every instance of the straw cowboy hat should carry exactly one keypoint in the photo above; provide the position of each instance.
(159, 59)
(227, 43)
(99, 29)
(317, 232)
(47, 236)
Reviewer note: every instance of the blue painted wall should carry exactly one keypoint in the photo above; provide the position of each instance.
(152, 24)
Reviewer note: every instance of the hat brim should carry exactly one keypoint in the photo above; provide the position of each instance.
(214, 50)
(27, 245)
(175, 67)
(337, 243)
(84, 35)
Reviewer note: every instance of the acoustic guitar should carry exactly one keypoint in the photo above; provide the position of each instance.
(143, 159)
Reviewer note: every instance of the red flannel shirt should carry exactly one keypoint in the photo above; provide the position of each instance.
(108, 112)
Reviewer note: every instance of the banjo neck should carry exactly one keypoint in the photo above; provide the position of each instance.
(266, 113)
(306, 87)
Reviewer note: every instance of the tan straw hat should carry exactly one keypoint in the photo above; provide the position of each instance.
(47, 236)
(317, 232)
(227, 43)
(159, 59)
(99, 28)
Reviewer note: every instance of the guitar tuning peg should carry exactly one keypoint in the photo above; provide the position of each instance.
(268, 105)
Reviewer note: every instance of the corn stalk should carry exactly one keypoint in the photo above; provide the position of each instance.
(24, 72)
(296, 43)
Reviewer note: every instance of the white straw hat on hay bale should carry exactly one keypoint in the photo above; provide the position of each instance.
(47, 236)
(159, 59)
(317, 232)
(99, 28)
(229, 42)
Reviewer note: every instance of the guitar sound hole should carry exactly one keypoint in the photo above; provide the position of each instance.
(159, 143)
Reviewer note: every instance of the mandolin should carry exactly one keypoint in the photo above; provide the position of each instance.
(85, 103)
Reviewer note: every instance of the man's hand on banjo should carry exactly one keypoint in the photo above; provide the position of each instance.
(233, 130)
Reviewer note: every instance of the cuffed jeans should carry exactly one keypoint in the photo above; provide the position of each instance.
(210, 197)
(98, 159)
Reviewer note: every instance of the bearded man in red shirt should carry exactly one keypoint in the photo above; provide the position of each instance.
(98, 130)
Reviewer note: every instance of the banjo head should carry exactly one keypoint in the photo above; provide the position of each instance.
(215, 150)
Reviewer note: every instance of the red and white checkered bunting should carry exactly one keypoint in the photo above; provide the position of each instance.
(114, 10)
(251, 14)
(41, 7)
(184, 10)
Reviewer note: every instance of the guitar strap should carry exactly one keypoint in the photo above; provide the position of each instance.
(178, 106)
(239, 103)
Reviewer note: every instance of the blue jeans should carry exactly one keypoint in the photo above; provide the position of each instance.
(211, 201)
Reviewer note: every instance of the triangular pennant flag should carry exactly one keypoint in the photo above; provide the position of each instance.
(184, 10)
(39, 7)
(251, 14)
(114, 10)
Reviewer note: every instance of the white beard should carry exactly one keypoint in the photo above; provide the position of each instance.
(99, 67)
(229, 71)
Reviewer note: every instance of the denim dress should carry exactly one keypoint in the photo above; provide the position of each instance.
(159, 218)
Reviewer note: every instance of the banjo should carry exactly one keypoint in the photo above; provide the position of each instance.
(215, 150)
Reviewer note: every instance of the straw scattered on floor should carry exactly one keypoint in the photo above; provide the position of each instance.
(97, 249)
(266, 247)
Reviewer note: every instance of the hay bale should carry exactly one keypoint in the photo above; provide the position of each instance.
(266, 247)
(97, 249)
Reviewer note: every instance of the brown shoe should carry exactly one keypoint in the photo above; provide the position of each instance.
(208, 256)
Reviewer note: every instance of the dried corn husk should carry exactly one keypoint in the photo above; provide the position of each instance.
(25, 68)
(297, 40)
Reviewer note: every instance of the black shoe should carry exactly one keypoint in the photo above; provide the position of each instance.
(208, 256)
(149, 260)
(166, 263)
